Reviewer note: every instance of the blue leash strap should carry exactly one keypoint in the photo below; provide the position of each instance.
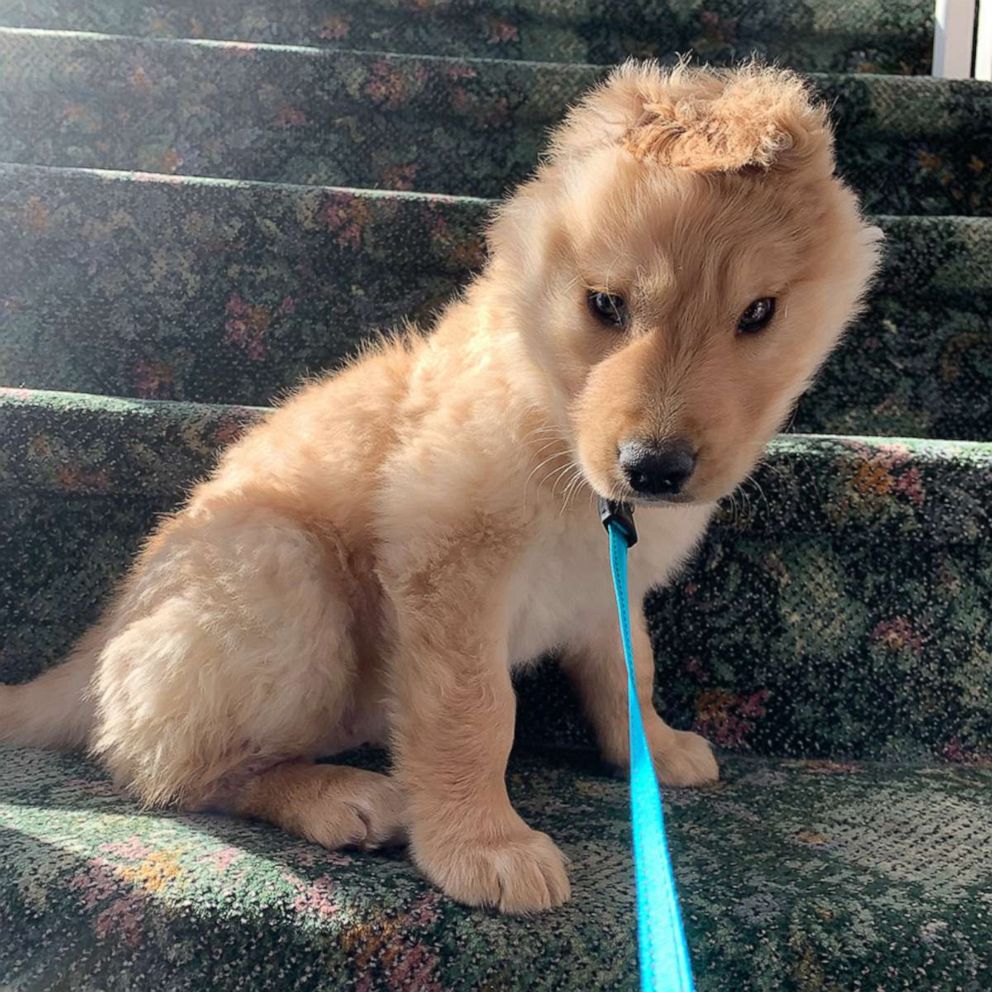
(662, 949)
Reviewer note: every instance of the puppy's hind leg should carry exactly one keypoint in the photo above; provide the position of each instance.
(229, 655)
(332, 805)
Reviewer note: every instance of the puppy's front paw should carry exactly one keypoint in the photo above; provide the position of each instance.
(521, 873)
(686, 761)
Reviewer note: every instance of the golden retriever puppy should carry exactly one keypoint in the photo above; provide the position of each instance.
(371, 562)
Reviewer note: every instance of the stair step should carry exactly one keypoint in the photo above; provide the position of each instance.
(814, 868)
(276, 114)
(835, 35)
(217, 291)
(823, 868)
(840, 605)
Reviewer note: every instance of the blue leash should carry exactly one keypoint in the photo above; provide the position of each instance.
(662, 948)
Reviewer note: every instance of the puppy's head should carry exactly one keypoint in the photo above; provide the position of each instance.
(679, 268)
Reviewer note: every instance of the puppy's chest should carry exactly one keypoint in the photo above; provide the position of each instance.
(562, 590)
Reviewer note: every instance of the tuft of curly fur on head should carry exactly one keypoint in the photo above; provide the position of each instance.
(703, 119)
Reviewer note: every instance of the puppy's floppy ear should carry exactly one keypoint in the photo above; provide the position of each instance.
(705, 120)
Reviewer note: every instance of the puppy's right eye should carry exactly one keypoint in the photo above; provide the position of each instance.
(607, 308)
(757, 316)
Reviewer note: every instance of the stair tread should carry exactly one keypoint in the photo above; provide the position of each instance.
(840, 606)
(217, 290)
(908, 144)
(844, 35)
(786, 868)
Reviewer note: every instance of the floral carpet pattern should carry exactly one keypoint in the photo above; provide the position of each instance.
(203, 203)
(774, 865)
(223, 291)
(242, 111)
(831, 35)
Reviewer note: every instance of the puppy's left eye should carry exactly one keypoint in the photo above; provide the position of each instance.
(757, 316)
(608, 308)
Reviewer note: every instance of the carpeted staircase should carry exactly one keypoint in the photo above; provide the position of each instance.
(201, 202)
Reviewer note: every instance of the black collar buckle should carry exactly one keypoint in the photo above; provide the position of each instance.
(614, 512)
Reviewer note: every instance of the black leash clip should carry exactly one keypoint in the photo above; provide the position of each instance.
(611, 511)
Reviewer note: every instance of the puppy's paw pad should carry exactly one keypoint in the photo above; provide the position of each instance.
(521, 874)
(689, 762)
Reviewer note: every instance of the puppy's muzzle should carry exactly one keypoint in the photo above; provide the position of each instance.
(658, 470)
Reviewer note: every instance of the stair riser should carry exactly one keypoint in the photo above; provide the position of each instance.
(839, 36)
(209, 292)
(368, 120)
(217, 292)
(844, 611)
(772, 649)
(817, 646)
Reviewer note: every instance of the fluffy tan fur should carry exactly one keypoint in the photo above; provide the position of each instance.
(371, 562)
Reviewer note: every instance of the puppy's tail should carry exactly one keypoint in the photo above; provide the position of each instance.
(55, 710)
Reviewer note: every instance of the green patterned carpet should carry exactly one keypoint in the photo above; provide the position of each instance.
(790, 872)
(217, 291)
(176, 250)
(361, 119)
(827, 35)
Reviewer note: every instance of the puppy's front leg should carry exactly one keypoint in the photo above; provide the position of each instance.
(453, 728)
(680, 756)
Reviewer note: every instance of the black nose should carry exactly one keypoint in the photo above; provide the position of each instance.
(659, 469)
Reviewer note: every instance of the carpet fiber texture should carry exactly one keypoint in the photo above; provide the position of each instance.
(861, 36)
(179, 249)
(793, 875)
